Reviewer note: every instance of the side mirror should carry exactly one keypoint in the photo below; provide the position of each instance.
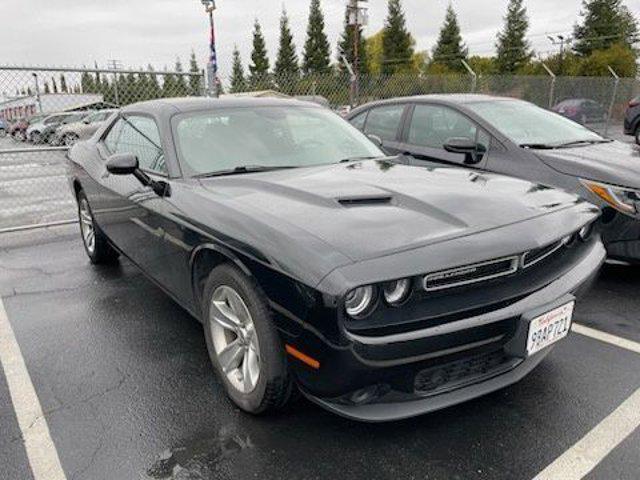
(127, 164)
(375, 139)
(470, 148)
(122, 164)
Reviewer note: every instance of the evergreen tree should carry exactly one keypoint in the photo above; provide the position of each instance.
(286, 67)
(604, 23)
(450, 49)
(259, 67)
(195, 81)
(63, 84)
(181, 88)
(346, 47)
(397, 42)
(87, 84)
(513, 49)
(238, 82)
(169, 85)
(153, 86)
(317, 55)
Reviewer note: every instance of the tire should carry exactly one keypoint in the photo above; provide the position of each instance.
(96, 245)
(3, 133)
(271, 390)
(637, 135)
(35, 138)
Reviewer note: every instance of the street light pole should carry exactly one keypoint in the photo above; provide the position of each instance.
(356, 18)
(560, 40)
(35, 78)
(212, 66)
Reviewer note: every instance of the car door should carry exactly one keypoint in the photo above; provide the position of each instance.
(385, 122)
(429, 127)
(133, 216)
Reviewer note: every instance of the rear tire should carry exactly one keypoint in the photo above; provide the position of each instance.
(98, 248)
(70, 139)
(237, 319)
(637, 135)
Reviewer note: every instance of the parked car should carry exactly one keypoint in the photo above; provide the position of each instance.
(582, 110)
(70, 132)
(18, 129)
(519, 139)
(3, 128)
(43, 130)
(632, 119)
(51, 134)
(382, 290)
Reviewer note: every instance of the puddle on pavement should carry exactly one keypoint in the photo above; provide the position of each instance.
(198, 459)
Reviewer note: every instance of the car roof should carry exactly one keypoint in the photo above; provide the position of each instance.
(195, 104)
(442, 98)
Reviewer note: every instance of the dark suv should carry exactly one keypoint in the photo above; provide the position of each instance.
(632, 119)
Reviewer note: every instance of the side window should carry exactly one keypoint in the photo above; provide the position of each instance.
(432, 125)
(359, 120)
(111, 140)
(140, 136)
(384, 121)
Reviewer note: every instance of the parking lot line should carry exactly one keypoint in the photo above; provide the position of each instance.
(606, 337)
(41, 451)
(591, 449)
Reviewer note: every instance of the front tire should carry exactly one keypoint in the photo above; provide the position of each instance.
(243, 344)
(95, 242)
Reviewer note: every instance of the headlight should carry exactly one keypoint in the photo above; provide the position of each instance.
(397, 291)
(585, 232)
(623, 199)
(359, 301)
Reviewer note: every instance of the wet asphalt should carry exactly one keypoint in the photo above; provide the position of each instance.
(123, 377)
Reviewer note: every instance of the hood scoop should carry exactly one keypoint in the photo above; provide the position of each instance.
(365, 201)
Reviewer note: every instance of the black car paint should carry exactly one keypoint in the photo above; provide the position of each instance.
(306, 249)
(614, 163)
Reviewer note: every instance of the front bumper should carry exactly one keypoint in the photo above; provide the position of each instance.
(354, 382)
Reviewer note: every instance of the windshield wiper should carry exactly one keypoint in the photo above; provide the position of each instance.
(355, 159)
(244, 169)
(584, 142)
(538, 146)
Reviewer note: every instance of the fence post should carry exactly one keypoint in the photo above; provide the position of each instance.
(613, 98)
(474, 77)
(552, 88)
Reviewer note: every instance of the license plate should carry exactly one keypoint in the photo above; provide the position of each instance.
(549, 328)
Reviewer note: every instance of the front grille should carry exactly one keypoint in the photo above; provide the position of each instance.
(478, 272)
(447, 377)
(534, 256)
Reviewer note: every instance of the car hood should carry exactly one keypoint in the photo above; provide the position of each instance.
(615, 162)
(375, 208)
(72, 126)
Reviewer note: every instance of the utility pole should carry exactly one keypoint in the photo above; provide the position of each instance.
(358, 17)
(212, 66)
(115, 65)
(562, 41)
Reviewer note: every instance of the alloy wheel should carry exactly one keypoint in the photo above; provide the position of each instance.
(234, 339)
(70, 139)
(87, 227)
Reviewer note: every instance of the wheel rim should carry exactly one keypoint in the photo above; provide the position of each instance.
(234, 339)
(86, 227)
(70, 139)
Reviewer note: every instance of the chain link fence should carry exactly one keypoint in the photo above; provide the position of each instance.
(42, 108)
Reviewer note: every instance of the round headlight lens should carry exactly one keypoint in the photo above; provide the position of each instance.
(397, 291)
(359, 300)
(585, 232)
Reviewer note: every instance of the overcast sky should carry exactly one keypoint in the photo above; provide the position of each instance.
(138, 32)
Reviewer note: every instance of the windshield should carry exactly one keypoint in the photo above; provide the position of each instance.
(225, 139)
(527, 124)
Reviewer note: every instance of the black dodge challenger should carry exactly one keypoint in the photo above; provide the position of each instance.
(380, 290)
